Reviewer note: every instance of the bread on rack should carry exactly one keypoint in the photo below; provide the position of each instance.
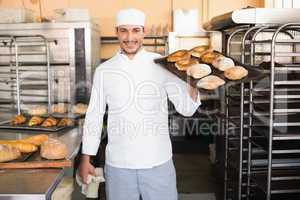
(59, 108)
(18, 119)
(179, 55)
(38, 110)
(223, 63)
(8, 153)
(210, 82)
(65, 122)
(182, 65)
(79, 108)
(198, 71)
(21, 146)
(236, 73)
(35, 120)
(49, 122)
(199, 50)
(35, 140)
(53, 149)
(209, 56)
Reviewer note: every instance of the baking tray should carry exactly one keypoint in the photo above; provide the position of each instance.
(66, 115)
(7, 125)
(253, 74)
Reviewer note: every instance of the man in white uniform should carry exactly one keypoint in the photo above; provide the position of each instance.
(139, 152)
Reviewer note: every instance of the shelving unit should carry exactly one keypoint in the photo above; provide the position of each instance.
(25, 68)
(264, 160)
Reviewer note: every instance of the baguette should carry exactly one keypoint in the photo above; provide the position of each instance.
(8, 153)
(21, 146)
(35, 140)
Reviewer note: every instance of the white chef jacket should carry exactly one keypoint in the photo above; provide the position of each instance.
(136, 92)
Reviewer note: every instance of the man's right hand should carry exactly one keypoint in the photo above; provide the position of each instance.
(85, 168)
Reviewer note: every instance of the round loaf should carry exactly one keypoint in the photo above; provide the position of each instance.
(198, 71)
(53, 149)
(199, 50)
(183, 65)
(8, 153)
(223, 63)
(210, 82)
(179, 55)
(235, 73)
(209, 56)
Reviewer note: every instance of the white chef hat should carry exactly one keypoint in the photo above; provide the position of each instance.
(130, 16)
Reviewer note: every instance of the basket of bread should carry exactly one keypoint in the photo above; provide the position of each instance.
(51, 153)
(206, 69)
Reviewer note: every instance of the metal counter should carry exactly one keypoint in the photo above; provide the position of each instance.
(36, 184)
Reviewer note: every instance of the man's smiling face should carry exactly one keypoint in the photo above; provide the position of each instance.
(130, 38)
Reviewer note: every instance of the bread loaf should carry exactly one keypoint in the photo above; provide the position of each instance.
(236, 73)
(38, 110)
(210, 82)
(179, 55)
(21, 146)
(79, 108)
(198, 71)
(183, 65)
(8, 153)
(59, 108)
(53, 149)
(199, 50)
(209, 56)
(222, 63)
(35, 140)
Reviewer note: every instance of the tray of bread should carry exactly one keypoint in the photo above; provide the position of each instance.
(43, 151)
(39, 123)
(206, 69)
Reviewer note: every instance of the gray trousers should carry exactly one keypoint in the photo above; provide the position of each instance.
(157, 183)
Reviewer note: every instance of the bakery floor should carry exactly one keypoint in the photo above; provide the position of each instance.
(195, 178)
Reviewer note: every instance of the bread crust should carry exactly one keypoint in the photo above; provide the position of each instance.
(184, 64)
(199, 50)
(179, 55)
(53, 149)
(223, 63)
(210, 82)
(8, 153)
(209, 56)
(198, 71)
(235, 73)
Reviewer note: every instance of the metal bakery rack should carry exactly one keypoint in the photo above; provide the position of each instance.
(262, 118)
(24, 71)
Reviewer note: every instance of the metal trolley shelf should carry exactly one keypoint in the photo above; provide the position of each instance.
(262, 118)
(21, 77)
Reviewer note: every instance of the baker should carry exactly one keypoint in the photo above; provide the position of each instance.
(135, 89)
